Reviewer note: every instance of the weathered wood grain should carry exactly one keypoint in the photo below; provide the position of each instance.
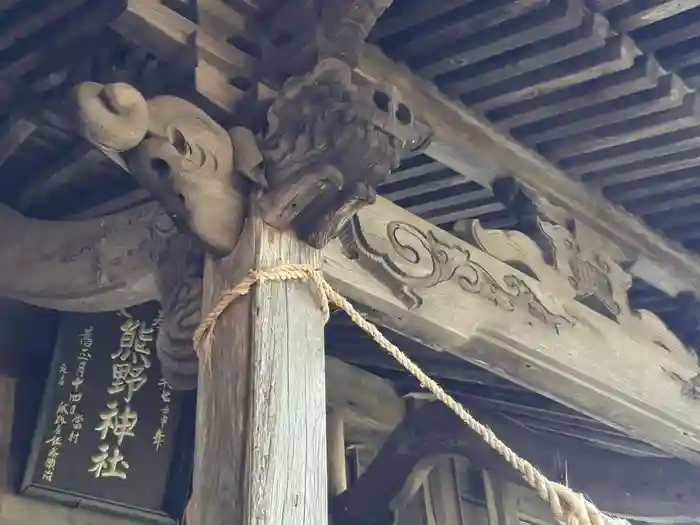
(261, 437)
(15, 510)
(361, 399)
(8, 467)
(462, 140)
(444, 491)
(501, 503)
(98, 264)
(335, 442)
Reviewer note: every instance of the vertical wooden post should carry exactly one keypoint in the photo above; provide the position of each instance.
(7, 407)
(337, 472)
(260, 453)
(501, 502)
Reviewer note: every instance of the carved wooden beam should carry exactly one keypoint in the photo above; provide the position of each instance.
(625, 369)
(460, 138)
(650, 489)
(528, 324)
(324, 146)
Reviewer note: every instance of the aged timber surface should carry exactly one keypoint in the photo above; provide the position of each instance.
(261, 448)
(551, 344)
(593, 365)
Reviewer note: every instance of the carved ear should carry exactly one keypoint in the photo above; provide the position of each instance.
(187, 163)
(248, 161)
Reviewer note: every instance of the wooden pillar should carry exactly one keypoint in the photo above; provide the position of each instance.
(337, 472)
(260, 453)
(501, 502)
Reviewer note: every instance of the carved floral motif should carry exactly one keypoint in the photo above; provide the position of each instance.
(562, 265)
(419, 260)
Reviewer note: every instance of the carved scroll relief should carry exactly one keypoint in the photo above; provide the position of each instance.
(418, 260)
(566, 269)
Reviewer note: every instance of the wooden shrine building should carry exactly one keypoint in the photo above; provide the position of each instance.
(509, 190)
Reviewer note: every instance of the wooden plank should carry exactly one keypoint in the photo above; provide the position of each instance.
(653, 14)
(335, 441)
(444, 492)
(669, 93)
(15, 510)
(170, 37)
(8, 466)
(354, 394)
(642, 76)
(589, 35)
(260, 449)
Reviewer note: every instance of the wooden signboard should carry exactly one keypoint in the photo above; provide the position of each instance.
(107, 434)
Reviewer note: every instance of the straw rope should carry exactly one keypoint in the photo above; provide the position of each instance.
(569, 507)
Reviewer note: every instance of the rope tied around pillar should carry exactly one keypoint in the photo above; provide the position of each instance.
(569, 507)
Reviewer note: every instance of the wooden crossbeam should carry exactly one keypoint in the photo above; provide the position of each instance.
(597, 366)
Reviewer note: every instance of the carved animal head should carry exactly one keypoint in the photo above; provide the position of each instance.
(325, 150)
(186, 161)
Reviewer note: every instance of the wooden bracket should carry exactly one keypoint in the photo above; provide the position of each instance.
(177, 151)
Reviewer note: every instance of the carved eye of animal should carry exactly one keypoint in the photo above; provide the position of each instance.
(178, 139)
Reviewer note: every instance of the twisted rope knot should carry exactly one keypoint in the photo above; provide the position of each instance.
(568, 507)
